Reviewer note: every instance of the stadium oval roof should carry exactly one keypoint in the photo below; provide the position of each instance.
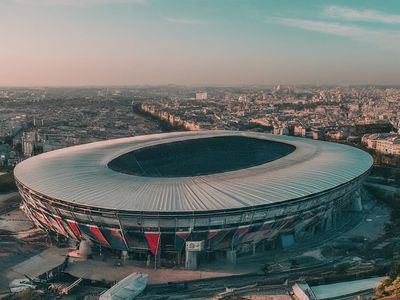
(80, 175)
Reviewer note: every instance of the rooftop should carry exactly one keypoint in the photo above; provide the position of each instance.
(81, 175)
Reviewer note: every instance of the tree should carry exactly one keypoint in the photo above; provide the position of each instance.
(342, 268)
(8, 140)
(394, 270)
(18, 148)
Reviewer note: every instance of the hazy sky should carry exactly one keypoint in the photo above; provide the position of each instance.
(199, 42)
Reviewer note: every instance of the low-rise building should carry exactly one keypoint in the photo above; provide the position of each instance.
(386, 143)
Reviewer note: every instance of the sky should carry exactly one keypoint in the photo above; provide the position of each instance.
(198, 42)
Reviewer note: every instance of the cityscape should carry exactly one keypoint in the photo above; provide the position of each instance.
(43, 119)
(200, 150)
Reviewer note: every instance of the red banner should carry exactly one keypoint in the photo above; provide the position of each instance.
(56, 225)
(74, 228)
(180, 239)
(96, 231)
(183, 234)
(153, 239)
(116, 233)
(215, 238)
(115, 238)
(211, 234)
(240, 232)
(67, 228)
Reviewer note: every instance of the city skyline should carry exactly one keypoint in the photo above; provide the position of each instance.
(198, 42)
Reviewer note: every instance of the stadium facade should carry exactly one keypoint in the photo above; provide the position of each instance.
(214, 192)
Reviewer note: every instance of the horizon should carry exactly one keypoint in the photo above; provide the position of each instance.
(327, 85)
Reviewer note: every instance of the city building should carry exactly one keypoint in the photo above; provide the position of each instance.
(300, 131)
(386, 143)
(281, 131)
(201, 96)
(28, 142)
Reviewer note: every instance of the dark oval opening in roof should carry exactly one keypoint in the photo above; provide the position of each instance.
(202, 156)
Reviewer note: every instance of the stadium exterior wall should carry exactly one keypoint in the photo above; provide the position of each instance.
(162, 233)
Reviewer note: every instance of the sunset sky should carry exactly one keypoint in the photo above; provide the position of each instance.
(198, 42)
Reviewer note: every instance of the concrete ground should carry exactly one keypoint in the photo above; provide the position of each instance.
(6, 197)
(19, 239)
(373, 225)
(108, 271)
(15, 222)
(38, 264)
(260, 296)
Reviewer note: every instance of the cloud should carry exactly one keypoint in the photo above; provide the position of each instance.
(187, 21)
(76, 2)
(362, 15)
(385, 39)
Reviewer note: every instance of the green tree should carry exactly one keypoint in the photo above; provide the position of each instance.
(394, 270)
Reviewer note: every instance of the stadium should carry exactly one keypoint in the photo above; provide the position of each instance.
(193, 194)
